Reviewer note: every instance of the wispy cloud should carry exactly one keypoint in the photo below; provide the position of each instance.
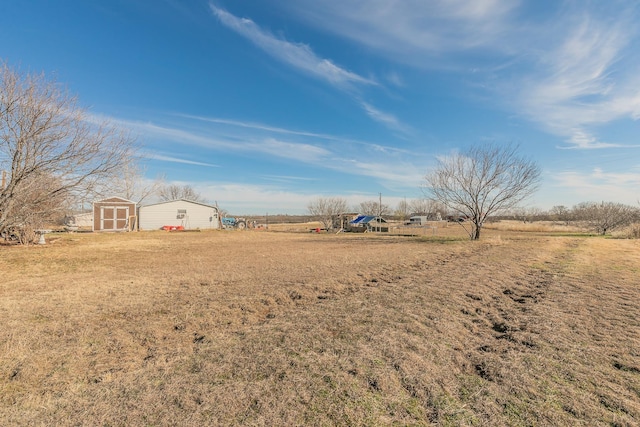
(395, 79)
(279, 130)
(243, 198)
(303, 152)
(387, 119)
(395, 174)
(580, 73)
(297, 151)
(599, 184)
(287, 178)
(389, 166)
(258, 126)
(302, 58)
(173, 159)
(578, 85)
(413, 31)
(297, 55)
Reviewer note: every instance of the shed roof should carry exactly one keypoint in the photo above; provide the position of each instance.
(115, 200)
(366, 219)
(181, 200)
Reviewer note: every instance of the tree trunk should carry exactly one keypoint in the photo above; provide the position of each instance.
(476, 232)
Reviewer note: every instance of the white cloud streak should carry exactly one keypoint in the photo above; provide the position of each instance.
(413, 31)
(173, 159)
(241, 199)
(600, 185)
(302, 152)
(302, 58)
(580, 85)
(387, 119)
(400, 174)
(297, 55)
(279, 130)
(257, 126)
(395, 171)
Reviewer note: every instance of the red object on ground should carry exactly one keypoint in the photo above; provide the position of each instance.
(173, 227)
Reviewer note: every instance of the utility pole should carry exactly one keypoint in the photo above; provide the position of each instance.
(4, 179)
(379, 212)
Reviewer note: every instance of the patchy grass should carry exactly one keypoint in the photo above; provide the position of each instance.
(258, 328)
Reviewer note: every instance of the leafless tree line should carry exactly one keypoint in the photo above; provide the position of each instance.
(599, 217)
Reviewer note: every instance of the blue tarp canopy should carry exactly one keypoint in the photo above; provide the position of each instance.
(362, 219)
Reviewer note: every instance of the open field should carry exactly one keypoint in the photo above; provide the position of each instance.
(263, 328)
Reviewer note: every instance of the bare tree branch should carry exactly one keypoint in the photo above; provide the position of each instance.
(175, 192)
(49, 145)
(327, 209)
(374, 208)
(605, 217)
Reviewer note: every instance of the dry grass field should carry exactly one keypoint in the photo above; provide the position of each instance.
(264, 328)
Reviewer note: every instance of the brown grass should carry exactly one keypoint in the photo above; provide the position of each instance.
(537, 226)
(259, 328)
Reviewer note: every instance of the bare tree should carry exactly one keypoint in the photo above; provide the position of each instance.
(527, 214)
(403, 210)
(374, 208)
(428, 207)
(132, 183)
(52, 149)
(327, 209)
(560, 213)
(605, 217)
(34, 207)
(481, 181)
(175, 192)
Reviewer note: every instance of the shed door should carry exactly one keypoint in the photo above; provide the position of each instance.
(122, 214)
(114, 217)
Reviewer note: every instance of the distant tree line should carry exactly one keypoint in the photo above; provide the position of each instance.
(599, 217)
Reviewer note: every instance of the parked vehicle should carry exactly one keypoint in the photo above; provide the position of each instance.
(417, 220)
(230, 223)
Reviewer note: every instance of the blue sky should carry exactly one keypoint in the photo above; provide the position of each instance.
(263, 106)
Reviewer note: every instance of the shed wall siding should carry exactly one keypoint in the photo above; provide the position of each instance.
(112, 214)
(154, 217)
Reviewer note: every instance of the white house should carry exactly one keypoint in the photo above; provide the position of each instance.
(178, 213)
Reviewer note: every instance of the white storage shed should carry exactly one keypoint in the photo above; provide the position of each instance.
(179, 214)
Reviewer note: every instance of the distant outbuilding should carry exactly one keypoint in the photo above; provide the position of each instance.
(368, 223)
(179, 214)
(114, 214)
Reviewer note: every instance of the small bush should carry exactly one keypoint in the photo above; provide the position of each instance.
(634, 231)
